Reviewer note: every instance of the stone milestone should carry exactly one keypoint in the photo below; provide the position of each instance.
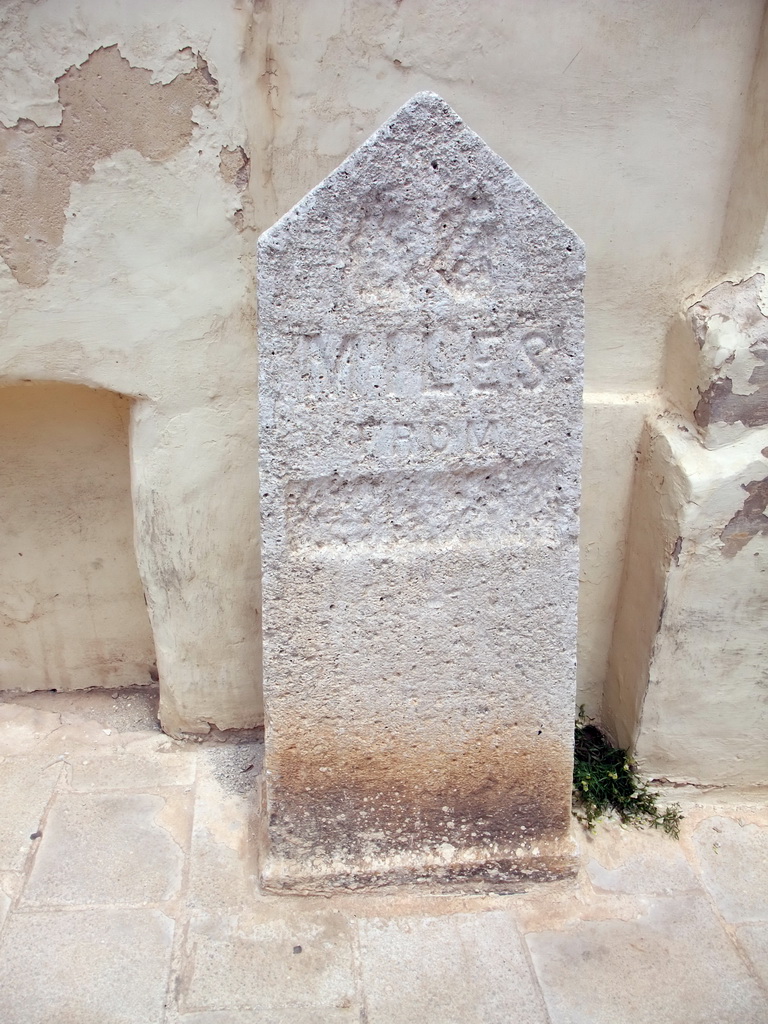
(421, 333)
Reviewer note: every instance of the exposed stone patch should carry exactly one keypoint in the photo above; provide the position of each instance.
(750, 521)
(235, 167)
(676, 550)
(719, 404)
(107, 106)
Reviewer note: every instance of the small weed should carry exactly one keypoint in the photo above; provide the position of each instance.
(604, 779)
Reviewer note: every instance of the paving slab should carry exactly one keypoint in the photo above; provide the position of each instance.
(674, 963)
(131, 770)
(456, 969)
(110, 848)
(40, 732)
(633, 939)
(127, 709)
(734, 867)
(5, 906)
(753, 940)
(105, 966)
(631, 860)
(23, 729)
(26, 786)
(285, 1015)
(222, 866)
(268, 959)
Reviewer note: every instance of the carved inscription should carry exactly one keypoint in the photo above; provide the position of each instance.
(406, 438)
(406, 364)
(407, 508)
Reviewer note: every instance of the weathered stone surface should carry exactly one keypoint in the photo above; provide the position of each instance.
(282, 1015)
(631, 860)
(26, 786)
(266, 959)
(132, 770)
(753, 939)
(222, 868)
(421, 338)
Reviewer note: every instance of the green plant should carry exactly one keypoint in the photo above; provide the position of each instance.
(605, 779)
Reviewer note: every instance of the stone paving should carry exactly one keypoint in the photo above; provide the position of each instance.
(127, 896)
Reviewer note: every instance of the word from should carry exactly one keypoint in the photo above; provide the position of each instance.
(404, 439)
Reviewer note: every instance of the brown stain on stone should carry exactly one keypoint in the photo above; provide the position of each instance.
(750, 521)
(107, 106)
(334, 795)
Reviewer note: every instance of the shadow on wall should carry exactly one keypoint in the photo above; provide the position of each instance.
(72, 610)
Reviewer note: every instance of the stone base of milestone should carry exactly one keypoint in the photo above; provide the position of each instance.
(439, 868)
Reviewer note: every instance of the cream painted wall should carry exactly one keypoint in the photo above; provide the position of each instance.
(625, 117)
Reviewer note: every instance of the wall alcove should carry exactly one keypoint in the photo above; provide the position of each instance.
(72, 609)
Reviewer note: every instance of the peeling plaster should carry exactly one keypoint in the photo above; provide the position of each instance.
(107, 106)
(750, 521)
(235, 167)
(732, 333)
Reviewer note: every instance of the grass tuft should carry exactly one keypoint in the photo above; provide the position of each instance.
(605, 779)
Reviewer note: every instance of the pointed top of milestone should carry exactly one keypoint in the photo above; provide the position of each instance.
(432, 104)
(422, 216)
(412, 142)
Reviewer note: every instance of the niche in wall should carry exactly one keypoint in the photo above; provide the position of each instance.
(72, 611)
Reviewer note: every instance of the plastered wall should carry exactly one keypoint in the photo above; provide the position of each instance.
(147, 145)
(126, 268)
(686, 681)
